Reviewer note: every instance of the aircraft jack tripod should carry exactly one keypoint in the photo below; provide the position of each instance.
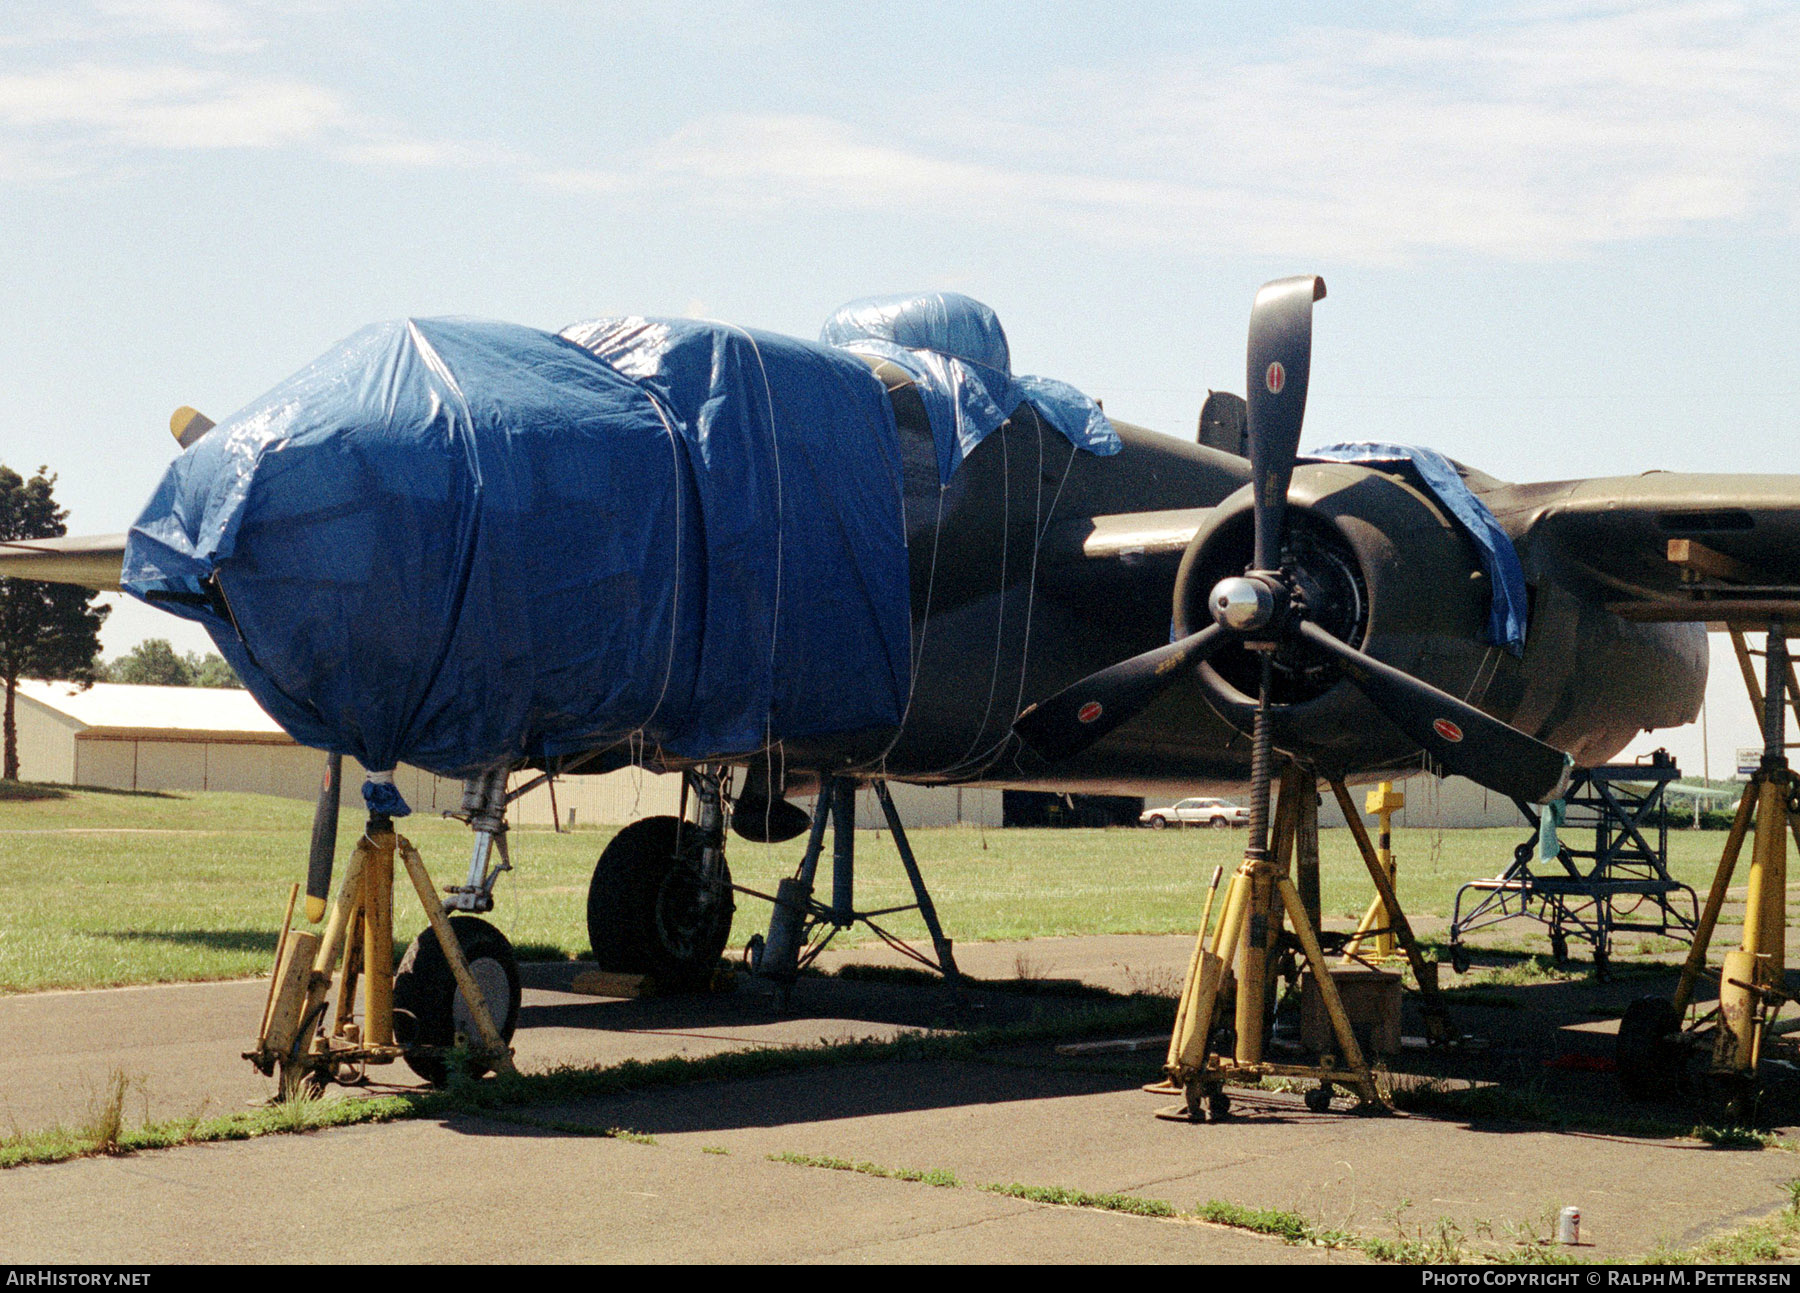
(294, 1038)
(795, 940)
(1655, 1035)
(1261, 895)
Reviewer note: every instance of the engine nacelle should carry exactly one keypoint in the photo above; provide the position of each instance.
(1381, 566)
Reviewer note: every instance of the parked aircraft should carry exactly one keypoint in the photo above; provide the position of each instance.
(1078, 604)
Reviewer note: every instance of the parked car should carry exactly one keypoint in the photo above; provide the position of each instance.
(1217, 813)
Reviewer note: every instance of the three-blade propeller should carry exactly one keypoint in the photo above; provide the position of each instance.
(1257, 607)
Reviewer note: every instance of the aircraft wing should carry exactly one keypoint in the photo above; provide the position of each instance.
(91, 561)
(1090, 554)
(1667, 545)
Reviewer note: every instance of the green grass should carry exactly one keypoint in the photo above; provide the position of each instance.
(1773, 1239)
(1287, 1226)
(1062, 1197)
(938, 1177)
(1442, 1242)
(108, 887)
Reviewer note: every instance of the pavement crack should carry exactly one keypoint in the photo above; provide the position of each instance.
(932, 1230)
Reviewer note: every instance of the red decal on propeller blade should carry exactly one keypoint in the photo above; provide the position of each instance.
(1275, 378)
(1089, 712)
(1446, 729)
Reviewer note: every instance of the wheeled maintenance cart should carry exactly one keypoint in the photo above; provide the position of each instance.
(1619, 884)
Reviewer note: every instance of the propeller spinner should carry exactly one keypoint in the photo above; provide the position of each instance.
(1264, 609)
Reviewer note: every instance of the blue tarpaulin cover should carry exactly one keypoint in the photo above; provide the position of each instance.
(1499, 559)
(955, 350)
(457, 543)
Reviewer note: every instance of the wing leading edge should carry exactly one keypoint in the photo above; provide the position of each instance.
(89, 561)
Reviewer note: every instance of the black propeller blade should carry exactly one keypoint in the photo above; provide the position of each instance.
(1459, 736)
(1073, 719)
(1279, 362)
(323, 852)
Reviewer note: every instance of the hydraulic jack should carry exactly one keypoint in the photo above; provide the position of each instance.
(1752, 979)
(1222, 1022)
(295, 1038)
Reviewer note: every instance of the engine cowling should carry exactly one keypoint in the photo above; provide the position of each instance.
(1379, 565)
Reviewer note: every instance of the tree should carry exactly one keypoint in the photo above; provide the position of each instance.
(46, 630)
(152, 663)
(155, 663)
(211, 670)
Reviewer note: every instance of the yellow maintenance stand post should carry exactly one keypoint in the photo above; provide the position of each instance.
(1222, 1017)
(294, 1038)
(1752, 979)
(1383, 802)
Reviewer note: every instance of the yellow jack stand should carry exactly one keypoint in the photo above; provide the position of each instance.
(1261, 895)
(1752, 985)
(1383, 801)
(293, 1037)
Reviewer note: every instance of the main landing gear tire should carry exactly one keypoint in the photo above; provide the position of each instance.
(429, 1009)
(653, 912)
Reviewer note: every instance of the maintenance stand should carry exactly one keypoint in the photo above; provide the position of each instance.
(1619, 885)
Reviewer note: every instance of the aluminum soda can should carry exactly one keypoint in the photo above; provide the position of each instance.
(1568, 1226)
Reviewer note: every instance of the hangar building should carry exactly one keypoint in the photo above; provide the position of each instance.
(201, 738)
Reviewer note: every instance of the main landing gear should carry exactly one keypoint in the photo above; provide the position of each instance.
(660, 902)
(800, 926)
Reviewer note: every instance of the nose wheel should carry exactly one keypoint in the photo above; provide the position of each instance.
(430, 1010)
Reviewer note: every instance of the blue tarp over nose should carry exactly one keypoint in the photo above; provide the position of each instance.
(456, 543)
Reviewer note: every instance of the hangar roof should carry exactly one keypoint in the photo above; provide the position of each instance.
(122, 711)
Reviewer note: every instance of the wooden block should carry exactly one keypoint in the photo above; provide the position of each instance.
(292, 979)
(1372, 1001)
(1709, 563)
(606, 983)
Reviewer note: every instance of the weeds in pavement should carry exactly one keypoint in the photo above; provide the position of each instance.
(939, 1177)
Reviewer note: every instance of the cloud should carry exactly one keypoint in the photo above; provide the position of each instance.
(1527, 133)
(210, 25)
(1530, 136)
(165, 107)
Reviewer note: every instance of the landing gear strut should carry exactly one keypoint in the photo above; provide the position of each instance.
(800, 927)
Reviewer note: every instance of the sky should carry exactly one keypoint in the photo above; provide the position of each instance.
(1559, 237)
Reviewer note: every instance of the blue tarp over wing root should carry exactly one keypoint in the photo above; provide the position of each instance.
(456, 543)
(1499, 559)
